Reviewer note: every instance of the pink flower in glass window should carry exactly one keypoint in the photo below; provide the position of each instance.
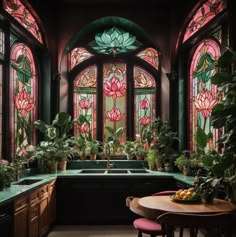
(144, 104)
(144, 120)
(84, 103)
(84, 128)
(204, 103)
(114, 115)
(23, 102)
(114, 88)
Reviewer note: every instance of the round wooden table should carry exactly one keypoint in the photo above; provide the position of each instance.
(166, 204)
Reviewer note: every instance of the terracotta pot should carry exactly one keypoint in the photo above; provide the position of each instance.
(93, 156)
(61, 165)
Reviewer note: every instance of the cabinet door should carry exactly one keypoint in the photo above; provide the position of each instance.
(34, 214)
(43, 210)
(21, 217)
(51, 202)
(6, 212)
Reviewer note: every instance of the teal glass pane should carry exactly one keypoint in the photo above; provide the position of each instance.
(114, 41)
(145, 99)
(114, 99)
(85, 100)
(23, 96)
(203, 94)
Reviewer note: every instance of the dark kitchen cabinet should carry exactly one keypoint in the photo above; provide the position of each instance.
(6, 218)
(101, 200)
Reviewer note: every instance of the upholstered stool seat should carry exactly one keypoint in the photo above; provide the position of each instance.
(147, 226)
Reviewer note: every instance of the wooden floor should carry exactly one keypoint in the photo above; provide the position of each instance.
(97, 231)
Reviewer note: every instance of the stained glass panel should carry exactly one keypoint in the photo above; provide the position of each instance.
(114, 89)
(17, 9)
(24, 97)
(204, 14)
(150, 55)
(2, 44)
(78, 55)
(0, 111)
(203, 94)
(144, 100)
(85, 99)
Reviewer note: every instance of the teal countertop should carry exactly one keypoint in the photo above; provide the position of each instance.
(14, 191)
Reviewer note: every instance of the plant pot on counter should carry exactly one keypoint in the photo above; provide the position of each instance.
(61, 165)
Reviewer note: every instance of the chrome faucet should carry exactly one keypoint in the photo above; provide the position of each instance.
(108, 156)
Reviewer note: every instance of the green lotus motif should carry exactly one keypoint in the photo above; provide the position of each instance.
(114, 41)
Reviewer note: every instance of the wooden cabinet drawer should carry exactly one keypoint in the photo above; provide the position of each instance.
(34, 197)
(43, 191)
(21, 203)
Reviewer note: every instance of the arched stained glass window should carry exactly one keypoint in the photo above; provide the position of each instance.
(23, 96)
(17, 9)
(203, 15)
(77, 56)
(2, 44)
(115, 95)
(203, 94)
(150, 55)
(85, 99)
(145, 99)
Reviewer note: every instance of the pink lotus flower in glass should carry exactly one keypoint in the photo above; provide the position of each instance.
(144, 104)
(84, 103)
(144, 120)
(204, 103)
(114, 88)
(24, 103)
(84, 128)
(114, 115)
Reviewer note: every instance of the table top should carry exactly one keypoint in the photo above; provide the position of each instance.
(166, 204)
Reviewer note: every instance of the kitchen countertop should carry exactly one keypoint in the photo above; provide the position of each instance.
(14, 191)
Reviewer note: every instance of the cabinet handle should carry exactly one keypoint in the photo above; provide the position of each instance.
(3, 215)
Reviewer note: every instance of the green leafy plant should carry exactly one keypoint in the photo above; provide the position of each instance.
(221, 164)
(58, 134)
(114, 139)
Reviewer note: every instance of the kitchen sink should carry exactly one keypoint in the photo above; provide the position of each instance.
(92, 171)
(117, 171)
(138, 171)
(113, 171)
(27, 181)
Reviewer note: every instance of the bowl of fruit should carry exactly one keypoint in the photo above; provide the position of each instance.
(186, 196)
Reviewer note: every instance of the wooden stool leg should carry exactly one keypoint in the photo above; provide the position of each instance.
(140, 234)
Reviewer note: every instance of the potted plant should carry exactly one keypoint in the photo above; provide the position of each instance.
(58, 134)
(7, 174)
(80, 143)
(114, 139)
(221, 164)
(45, 153)
(129, 149)
(93, 148)
(151, 157)
(164, 144)
(139, 151)
(183, 163)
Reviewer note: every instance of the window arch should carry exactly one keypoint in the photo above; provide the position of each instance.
(22, 14)
(203, 95)
(24, 97)
(116, 84)
(197, 64)
(203, 15)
